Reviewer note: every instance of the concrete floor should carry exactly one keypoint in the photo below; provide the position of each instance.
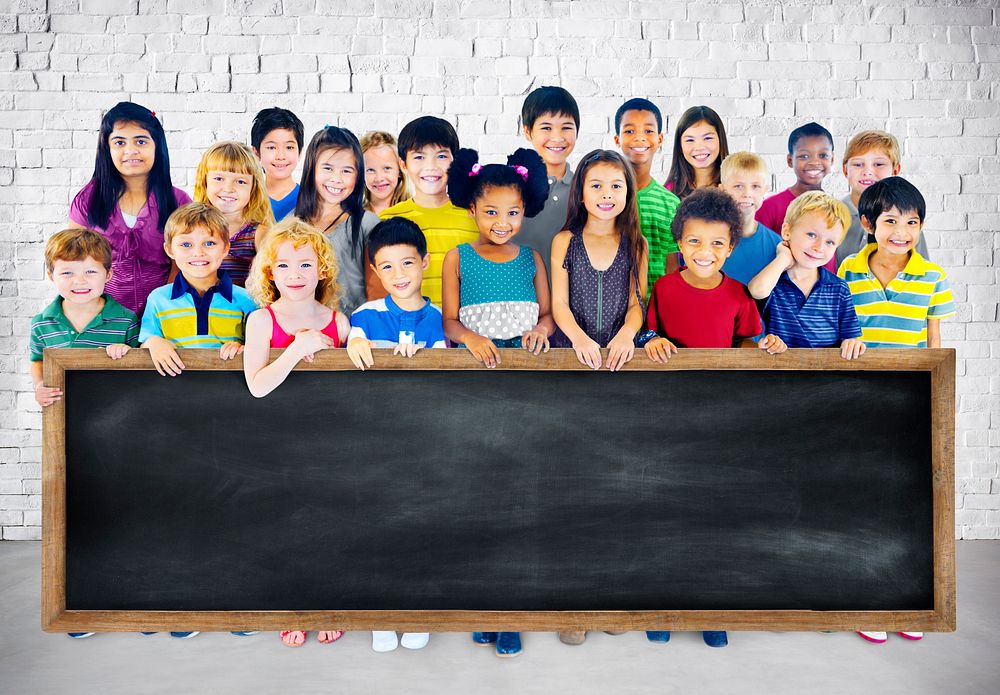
(966, 662)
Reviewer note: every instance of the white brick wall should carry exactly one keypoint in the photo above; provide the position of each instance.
(928, 73)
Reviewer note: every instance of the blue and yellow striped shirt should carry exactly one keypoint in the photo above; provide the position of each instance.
(189, 320)
(896, 316)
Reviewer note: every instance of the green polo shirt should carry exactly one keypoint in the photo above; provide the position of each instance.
(113, 325)
(657, 207)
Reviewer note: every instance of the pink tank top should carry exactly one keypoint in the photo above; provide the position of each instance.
(280, 339)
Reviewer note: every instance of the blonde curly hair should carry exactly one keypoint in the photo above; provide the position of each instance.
(261, 285)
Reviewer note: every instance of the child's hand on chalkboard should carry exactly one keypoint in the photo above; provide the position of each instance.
(310, 341)
(407, 349)
(483, 349)
(230, 350)
(535, 341)
(659, 349)
(117, 350)
(360, 352)
(588, 352)
(620, 350)
(47, 395)
(164, 356)
(772, 343)
(852, 349)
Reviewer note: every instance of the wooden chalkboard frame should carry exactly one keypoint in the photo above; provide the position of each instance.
(939, 362)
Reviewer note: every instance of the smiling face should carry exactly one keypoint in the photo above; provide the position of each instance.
(811, 160)
(336, 175)
(198, 253)
(866, 168)
(79, 282)
(553, 135)
(296, 271)
(748, 189)
(639, 137)
(132, 149)
(706, 246)
(228, 192)
(279, 153)
(700, 145)
(811, 239)
(896, 232)
(381, 173)
(401, 270)
(604, 191)
(428, 169)
(499, 212)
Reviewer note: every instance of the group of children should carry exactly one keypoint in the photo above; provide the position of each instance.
(414, 243)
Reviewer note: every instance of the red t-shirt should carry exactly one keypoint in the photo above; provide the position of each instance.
(695, 318)
(772, 212)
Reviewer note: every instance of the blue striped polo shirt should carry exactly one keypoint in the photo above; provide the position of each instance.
(824, 319)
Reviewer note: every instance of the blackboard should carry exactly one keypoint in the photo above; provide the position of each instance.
(524, 490)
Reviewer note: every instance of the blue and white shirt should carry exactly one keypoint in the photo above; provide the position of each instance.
(384, 323)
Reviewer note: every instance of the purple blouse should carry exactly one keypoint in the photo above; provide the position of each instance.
(139, 264)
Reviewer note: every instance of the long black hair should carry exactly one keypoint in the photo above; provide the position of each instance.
(307, 208)
(524, 171)
(681, 174)
(108, 182)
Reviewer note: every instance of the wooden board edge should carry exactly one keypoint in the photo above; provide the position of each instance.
(54, 494)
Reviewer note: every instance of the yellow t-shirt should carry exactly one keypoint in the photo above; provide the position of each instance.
(445, 228)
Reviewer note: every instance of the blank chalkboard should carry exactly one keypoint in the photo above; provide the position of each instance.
(480, 490)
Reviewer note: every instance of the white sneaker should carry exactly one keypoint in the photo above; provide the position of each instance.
(384, 640)
(875, 637)
(911, 635)
(415, 640)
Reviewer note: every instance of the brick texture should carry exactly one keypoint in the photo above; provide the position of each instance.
(928, 72)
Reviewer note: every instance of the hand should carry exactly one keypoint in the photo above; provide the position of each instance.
(47, 395)
(659, 349)
(360, 352)
(784, 252)
(407, 349)
(588, 352)
(620, 350)
(230, 350)
(309, 341)
(772, 343)
(164, 356)
(117, 350)
(484, 350)
(852, 349)
(535, 341)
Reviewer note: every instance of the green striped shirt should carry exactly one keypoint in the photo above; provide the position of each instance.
(657, 207)
(113, 325)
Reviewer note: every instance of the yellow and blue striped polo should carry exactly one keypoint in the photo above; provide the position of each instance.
(190, 320)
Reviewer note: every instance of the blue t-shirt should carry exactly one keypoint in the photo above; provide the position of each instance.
(384, 323)
(282, 207)
(823, 319)
(751, 254)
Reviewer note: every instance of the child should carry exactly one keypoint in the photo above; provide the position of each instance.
(404, 319)
(496, 292)
(700, 145)
(385, 183)
(331, 199)
(201, 307)
(229, 179)
(810, 154)
(128, 200)
(295, 281)
(698, 306)
(639, 133)
(745, 179)
(426, 146)
(871, 156)
(807, 305)
(277, 137)
(550, 119)
(900, 297)
(601, 255)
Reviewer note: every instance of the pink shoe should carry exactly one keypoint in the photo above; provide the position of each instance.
(911, 635)
(874, 637)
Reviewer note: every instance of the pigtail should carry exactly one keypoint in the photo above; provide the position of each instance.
(461, 179)
(535, 188)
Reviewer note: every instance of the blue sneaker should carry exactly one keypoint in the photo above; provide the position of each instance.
(147, 633)
(484, 639)
(658, 635)
(183, 635)
(79, 635)
(715, 638)
(243, 634)
(508, 643)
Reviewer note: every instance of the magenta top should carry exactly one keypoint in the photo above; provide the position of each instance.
(280, 339)
(139, 264)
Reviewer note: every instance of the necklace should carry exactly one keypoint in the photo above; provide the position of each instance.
(335, 221)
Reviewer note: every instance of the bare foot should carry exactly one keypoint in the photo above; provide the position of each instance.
(294, 638)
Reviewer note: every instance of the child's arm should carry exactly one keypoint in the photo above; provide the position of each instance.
(763, 282)
(536, 340)
(44, 395)
(933, 333)
(481, 347)
(659, 348)
(621, 348)
(586, 348)
(161, 351)
(261, 377)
